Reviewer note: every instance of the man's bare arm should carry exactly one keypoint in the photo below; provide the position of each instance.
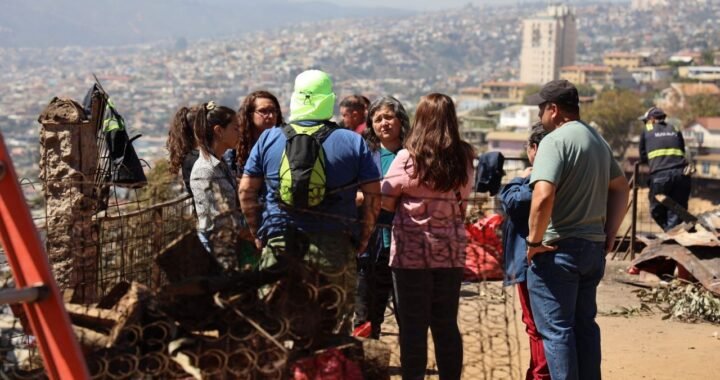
(617, 200)
(248, 195)
(371, 208)
(541, 208)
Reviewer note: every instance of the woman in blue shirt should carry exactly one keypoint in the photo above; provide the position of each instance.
(387, 125)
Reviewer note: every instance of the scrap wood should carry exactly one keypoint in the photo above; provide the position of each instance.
(185, 257)
(92, 317)
(103, 328)
(131, 308)
(702, 262)
(91, 340)
(675, 207)
(114, 295)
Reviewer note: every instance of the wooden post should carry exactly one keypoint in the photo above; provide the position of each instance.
(69, 155)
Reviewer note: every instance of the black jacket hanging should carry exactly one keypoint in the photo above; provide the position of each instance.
(489, 172)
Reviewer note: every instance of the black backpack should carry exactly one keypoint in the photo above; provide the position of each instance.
(125, 168)
(302, 180)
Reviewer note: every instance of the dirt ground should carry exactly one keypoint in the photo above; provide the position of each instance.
(635, 347)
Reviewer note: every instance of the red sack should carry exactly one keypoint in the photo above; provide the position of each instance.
(484, 250)
(329, 365)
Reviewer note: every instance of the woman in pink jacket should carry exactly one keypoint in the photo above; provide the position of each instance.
(427, 185)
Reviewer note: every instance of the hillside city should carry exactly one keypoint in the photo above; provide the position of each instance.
(471, 53)
(264, 274)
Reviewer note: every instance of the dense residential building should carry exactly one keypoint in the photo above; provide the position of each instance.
(707, 166)
(597, 76)
(503, 92)
(686, 57)
(700, 73)
(519, 118)
(474, 128)
(511, 144)
(651, 74)
(643, 5)
(462, 49)
(625, 60)
(549, 43)
(470, 98)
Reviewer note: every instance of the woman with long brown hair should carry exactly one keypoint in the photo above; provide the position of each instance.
(427, 185)
(182, 145)
(259, 111)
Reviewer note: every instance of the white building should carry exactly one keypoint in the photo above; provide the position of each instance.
(701, 73)
(704, 135)
(650, 74)
(549, 42)
(519, 118)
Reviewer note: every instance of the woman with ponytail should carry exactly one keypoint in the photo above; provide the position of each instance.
(214, 185)
(182, 145)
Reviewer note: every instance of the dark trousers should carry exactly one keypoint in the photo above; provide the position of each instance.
(674, 184)
(373, 291)
(429, 298)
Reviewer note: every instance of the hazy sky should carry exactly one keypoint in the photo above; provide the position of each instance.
(414, 4)
(436, 4)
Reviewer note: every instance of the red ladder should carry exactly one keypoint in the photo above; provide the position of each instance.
(36, 288)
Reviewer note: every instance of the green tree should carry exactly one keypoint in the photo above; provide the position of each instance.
(615, 112)
(161, 185)
(708, 57)
(697, 106)
(586, 90)
(530, 90)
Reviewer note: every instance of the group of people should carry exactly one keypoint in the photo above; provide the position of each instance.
(378, 206)
(265, 188)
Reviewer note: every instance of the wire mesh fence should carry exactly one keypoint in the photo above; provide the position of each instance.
(144, 321)
(237, 334)
(156, 308)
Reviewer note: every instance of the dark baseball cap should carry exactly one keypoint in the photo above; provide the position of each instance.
(653, 112)
(558, 91)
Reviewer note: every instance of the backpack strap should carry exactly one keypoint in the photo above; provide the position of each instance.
(324, 133)
(321, 135)
(289, 131)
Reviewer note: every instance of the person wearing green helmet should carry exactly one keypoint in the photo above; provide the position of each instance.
(318, 209)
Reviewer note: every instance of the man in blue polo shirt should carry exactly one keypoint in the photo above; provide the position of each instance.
(334, 230)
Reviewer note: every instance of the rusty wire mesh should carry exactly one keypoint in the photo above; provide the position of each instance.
(237, 335)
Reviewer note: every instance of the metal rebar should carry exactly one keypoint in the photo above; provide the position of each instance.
(24, 295)
(633, 226)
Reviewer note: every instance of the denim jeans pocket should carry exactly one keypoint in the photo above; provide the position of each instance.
(574, 245)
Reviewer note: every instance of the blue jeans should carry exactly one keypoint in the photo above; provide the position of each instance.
(563, 289)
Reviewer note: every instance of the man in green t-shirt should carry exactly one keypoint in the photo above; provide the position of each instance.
(579, 199)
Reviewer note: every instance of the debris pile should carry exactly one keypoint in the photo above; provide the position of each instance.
(270, 324)
(683, 301)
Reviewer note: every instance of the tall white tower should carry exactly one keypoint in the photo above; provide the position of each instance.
(549, 43)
